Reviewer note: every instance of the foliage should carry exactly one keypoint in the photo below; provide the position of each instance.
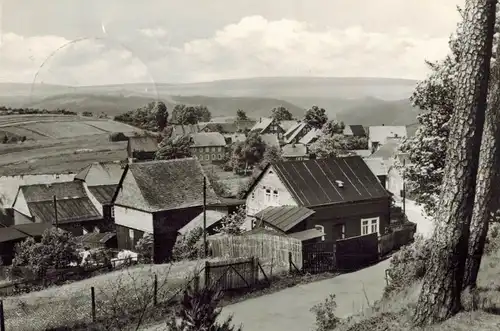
(188, 246)
(198, 312)
(272, 154)
(325, 314)
(408, 265)
(29, 111)
(354, 142)
(248, 152)
(281, 113)
(427, 148)
(231, 224)
(87, 114)
(152, 117)
(241, 115)
(333, 127)
(316, 117)
(144, 247)
(492, 244)
(56, 249)
(329, 146)
(220, 188)
(174, 148)
(245, 186)
(185, 115)
(118, 136)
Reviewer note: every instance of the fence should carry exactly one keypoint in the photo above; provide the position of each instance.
(272, 251)
(396, 239)
(319, 257)
(232, 275)
(357, 252)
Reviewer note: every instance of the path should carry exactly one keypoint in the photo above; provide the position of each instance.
(289, 309)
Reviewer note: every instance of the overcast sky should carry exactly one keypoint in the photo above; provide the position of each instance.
(89, 42)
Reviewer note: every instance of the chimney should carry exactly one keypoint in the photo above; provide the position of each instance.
(383, 124)
(339, 183)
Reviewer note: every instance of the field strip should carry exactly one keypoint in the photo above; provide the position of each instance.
(37, 132)
(104, 131)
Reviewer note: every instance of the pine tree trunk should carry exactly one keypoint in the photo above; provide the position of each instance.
(487, 179)
(440, 295)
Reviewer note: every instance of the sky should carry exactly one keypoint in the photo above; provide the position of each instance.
(98, 42)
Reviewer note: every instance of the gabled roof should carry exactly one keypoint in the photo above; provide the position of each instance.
(294, 131)
(23, 231)
(287, 125)
(184, 130)
(205, 139)
(103, 193)
(284, 217)
(307, 234)
(310, 137)
(262, 124)
(293, 128)
(270, 139)
(101, 173)
(377, 166)
(388, 150)
(164, 185)
(355, 130)
(329, 181)
(73, 203)
(143, 143)
(294, 150)
(213, 217)
(382, 132)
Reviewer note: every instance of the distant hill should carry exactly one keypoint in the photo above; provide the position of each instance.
(355, 100)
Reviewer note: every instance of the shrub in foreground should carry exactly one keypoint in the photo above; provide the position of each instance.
(188, 247)
(325, 314)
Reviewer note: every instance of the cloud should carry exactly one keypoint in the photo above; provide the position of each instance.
(254, 46)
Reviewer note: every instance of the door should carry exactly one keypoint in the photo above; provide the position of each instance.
(339, 231)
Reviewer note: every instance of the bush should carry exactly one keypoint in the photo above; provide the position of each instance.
(188, 247)
(408, 265)
(144, 248)
(325, 314)
(231, 224)
(198, 311)
(492, 244)
(118, 136)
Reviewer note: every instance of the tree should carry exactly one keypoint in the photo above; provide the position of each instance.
(188, 246)
(272, 154)
(186, 115)
(329, 146)
(248, 152)
(333, 127)
(354, 142)
(174, 148)
(486, 187)
(241, 115)
(161, 114)
(232, 223)
(281, 113)
(220, 188)
(202, 113)
(316, 117)
(440, 295)
(144, 247)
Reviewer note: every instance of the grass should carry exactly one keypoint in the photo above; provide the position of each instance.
(395, 313)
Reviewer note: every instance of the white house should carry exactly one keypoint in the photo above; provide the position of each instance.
(378, 135)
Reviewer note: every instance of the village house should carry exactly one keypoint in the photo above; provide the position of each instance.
(159, 197)
(310, 137)
(296, 132)
(388, 152)
(73, 210)
(208, 147)
(142, 148)
(379, 169)
(378, 135)
(354, 131)
(287, 125)
(294, 152)
(100, 180)
(269, 126)
(347, 198)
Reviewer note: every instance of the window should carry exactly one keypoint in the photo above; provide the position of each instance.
(268, 195)
(339, 231)
(207, 157)
(214, 149)
(275, 195)
(219, 156)
(214, 157)
(370, 225)
(207, 149)
(131, 235)
(112, 208)
(253, 195)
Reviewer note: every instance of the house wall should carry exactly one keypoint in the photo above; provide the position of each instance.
(132, 218)
(274, 128)
(20, 218)
(127, 238)
(143, 156)
(166, 226)
(394, 182)
(22, 213)
(94, 201)
(9, 185)
(209, 154)
(350, 214)
(257, 200)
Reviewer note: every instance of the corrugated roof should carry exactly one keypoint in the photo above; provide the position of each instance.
(377, 166)
(164, 185)
(284, 217)
(143, 143)
(307, 234)
(22, 231)
(68, 211)
(212, 218)
(294, 150)
(46, 192)
(203, 139)
(355, 130)
(270, 139)
(103, 193)
(314, 182)
(262, 124)
(388, 150)
(381, 133)
(310, 137)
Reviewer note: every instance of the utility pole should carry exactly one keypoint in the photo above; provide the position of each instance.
(404, 190)
(55, 212)
(205, 246)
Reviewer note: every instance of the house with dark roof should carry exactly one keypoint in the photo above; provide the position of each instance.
(142, 148)
(72, 211)
(269, 126)
(378, 135)
(347, 198)
(354, 131)
(208, 147)
(100, 180)
(159, 197)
